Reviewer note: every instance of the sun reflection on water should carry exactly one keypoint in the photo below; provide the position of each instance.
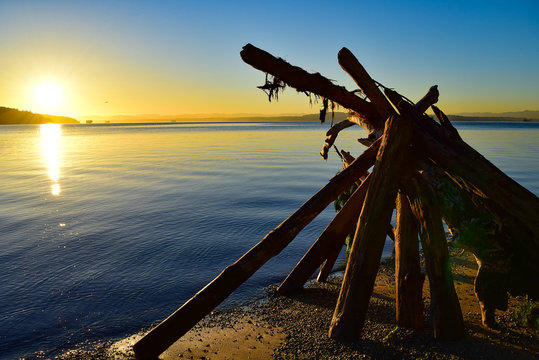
(50, 143)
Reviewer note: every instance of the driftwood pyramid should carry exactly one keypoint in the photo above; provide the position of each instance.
(424, 169)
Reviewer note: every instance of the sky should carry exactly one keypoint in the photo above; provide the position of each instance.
(104, 58)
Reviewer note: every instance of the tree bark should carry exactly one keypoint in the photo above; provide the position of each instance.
(364, 258)
(408, 277)
(183, 319)
(445, 307)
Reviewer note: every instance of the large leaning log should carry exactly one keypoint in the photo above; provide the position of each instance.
(190, 313)
(333, 253)
(301, 80)
(364, 258)
(357, 72)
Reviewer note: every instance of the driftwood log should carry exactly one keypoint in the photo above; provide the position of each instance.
(436, 175)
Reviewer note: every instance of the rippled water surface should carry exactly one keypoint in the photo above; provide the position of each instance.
(106, 229)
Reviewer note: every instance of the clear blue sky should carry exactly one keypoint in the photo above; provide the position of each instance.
(176, 57)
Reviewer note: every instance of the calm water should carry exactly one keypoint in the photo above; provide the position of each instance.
(106, 229)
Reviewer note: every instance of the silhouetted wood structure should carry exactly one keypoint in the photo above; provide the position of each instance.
(430, 174)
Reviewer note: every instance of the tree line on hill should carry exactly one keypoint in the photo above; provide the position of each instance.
(15, 116)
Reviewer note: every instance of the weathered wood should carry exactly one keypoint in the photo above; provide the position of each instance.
(483, 222)
(448, 128)
(330, 140)
(408, 277)
(332, 134)
(347, 159)
(177, 324)
(338, 127)
(301, 80)
(445, 308)
(476, 174)
(431, 97)
(514, 209)
(357, 72)
(331, 238)
(335, 250)
(502, 195)
(364, 258)
(327, 266)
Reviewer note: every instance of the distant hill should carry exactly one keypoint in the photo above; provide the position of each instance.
(487, 118)
(13, 116)
(526, 114)
(261, 118)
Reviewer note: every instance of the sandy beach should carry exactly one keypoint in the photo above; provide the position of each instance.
(296, 328)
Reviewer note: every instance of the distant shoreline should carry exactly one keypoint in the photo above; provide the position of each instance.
(282, 118)
(17, 117)
(288, 119)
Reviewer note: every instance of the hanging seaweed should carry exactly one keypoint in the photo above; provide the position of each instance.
(272, 86)
(332, 112)
(323, 110)
(311, 96)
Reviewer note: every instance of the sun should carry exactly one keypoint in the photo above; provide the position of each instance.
(47, 97)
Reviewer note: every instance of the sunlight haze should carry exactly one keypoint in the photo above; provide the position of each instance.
(177, 57)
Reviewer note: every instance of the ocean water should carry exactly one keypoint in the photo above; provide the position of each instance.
(106, 229)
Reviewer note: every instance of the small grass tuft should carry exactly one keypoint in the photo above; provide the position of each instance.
(527, 315)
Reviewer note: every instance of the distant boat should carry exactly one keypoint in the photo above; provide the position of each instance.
(89, 121)
(107, 121)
